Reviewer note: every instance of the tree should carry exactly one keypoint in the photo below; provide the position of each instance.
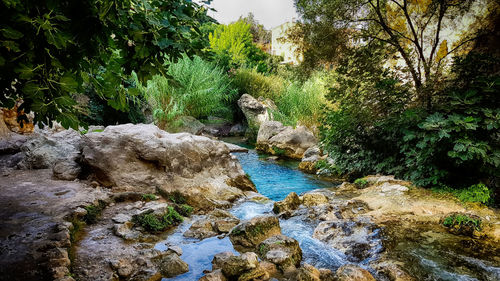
(50, 50)
(413, 27)
(259, 33)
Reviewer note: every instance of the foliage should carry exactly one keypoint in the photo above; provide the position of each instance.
(184, 210)
(176, 197)
(249, 81)
(190, 87)
(259, 34)
(53, 49)
(278, 151)
(93, 212)
(361, 183)
(233, 47)
(148, 197)
(460, 221)
(475, 193)
(157, 223)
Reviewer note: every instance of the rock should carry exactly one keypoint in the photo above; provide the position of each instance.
(356, 239)
(307, 272)
(269, 267)
(175, 249)
(242, 182)
(188, 124)
(219, 259)
(393, 271)
(281, 250)
(121, 218)
(215, 275)
(122, 267)
(326, 275)
(276, 139)
(45, 149)
(290, 203)
(392, 189)
(255, 112)
(257, 274)
(5, 132)
(235, 148)
(125, 231)
(237, 130)
(252, 232)
(351, 272)
(170, 264)
(12, 143)
(142, 158)
(66, 170)
(216, 222)
(314, 199)
(308, 162)
(233, 266)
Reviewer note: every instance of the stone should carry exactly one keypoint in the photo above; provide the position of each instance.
(237, 130)
(276, 139)
(233, 266)
(393, 271)
(142, 158)
(122, 267)
(215, 275)
(175, 249)
(393, 189)
(170, 264)
(255, 111)
(215, 223)
(307, 272)
(290, 203)
(251, 233)
(66, 170)
(121, 218)
(281, 250)
(188, 125)
(314, 199)
(257, 274)
(355, 239)
(269, 267)
(308, 162)
(219, 259)
(351, 272)
(326, 275)
(235, 148)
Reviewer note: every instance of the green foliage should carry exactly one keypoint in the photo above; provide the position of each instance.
(249, 81)
(93, 213)
(148, 197)
(176, 197)
(460, 221)
(475, 193)
(361, 183)
(278, 151)
(184, 210)
(50, 50)
(157, 223)
(190, 87)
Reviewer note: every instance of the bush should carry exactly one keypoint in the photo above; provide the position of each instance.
(148, 197)
(194, 88)
(184, 210)
(361, 183)
(156, 223)
(459, 221)
(475, 193)
(249, 81)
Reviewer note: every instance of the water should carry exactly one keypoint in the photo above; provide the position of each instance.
(275, 180)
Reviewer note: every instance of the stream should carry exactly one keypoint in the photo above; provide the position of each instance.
(275, 179)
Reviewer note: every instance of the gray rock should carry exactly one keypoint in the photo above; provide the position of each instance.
(215, 223)
(252, 232)
(281, 250)
(255, 111)
(215, 275)
(121, 218)
(237, 130)
(237, 265)
(274, 138)
(351, 272)
(290, 203)
(170, 264)
(143, 158)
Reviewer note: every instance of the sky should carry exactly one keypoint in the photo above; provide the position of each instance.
(270, 13)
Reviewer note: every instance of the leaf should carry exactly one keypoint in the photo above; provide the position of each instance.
(68, 82)
(11, 33)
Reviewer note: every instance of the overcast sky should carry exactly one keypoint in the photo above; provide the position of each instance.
(270, 13)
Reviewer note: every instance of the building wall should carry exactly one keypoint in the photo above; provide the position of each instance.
(286, 50)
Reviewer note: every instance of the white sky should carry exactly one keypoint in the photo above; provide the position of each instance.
(270, 13)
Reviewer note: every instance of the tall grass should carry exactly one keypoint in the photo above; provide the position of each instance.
(194, 88)
(249, 81)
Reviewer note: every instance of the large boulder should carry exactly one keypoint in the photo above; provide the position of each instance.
(351, 272)
(170, 264)
(250, 233)
(311, 156)
(255, 112)
(217, 222)
(233, 266)
(276, 139)
(142, 158)
(281, 250)
(290, 203)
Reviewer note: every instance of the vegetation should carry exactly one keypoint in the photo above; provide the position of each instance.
(176, 197)
(93, 212)
(191, 87)
(461, 221)
(361, 183)
(477, 193)
(148, 197)
(184, 210)
(157, 223)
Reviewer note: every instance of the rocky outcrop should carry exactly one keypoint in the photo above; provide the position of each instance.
(249, 234)
(281, 250)
(290, 203)
(352, 272)
(217, 222)
(145, 159)
(311, 156)
(255, 111)
(276, 139)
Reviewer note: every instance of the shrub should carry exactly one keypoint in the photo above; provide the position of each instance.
(184, 210)
(156, 223)
(249, 81)
(460, 221)
(148, 197)
(196, 88)
(361, 183)
(475, 193)
(93, 212)
(176, 197)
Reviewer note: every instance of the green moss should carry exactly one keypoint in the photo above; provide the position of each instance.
(148, 197)
(361, 183)
(460, 221)
(157, 223)
(176, 197)
(278, 151)
(93, 212)
(263, 248)
(184, 209)
(236, 231)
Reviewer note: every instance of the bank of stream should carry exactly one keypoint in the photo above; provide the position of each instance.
(427, 256)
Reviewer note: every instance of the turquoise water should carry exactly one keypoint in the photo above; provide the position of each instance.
(275, 179)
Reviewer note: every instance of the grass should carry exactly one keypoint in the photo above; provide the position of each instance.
(176, 197)
(477, 193)
(157, 223)
(93, 212)
(148, 197)
(459, 221)
(361, 183)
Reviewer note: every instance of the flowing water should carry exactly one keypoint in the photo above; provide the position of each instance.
(275, 180)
